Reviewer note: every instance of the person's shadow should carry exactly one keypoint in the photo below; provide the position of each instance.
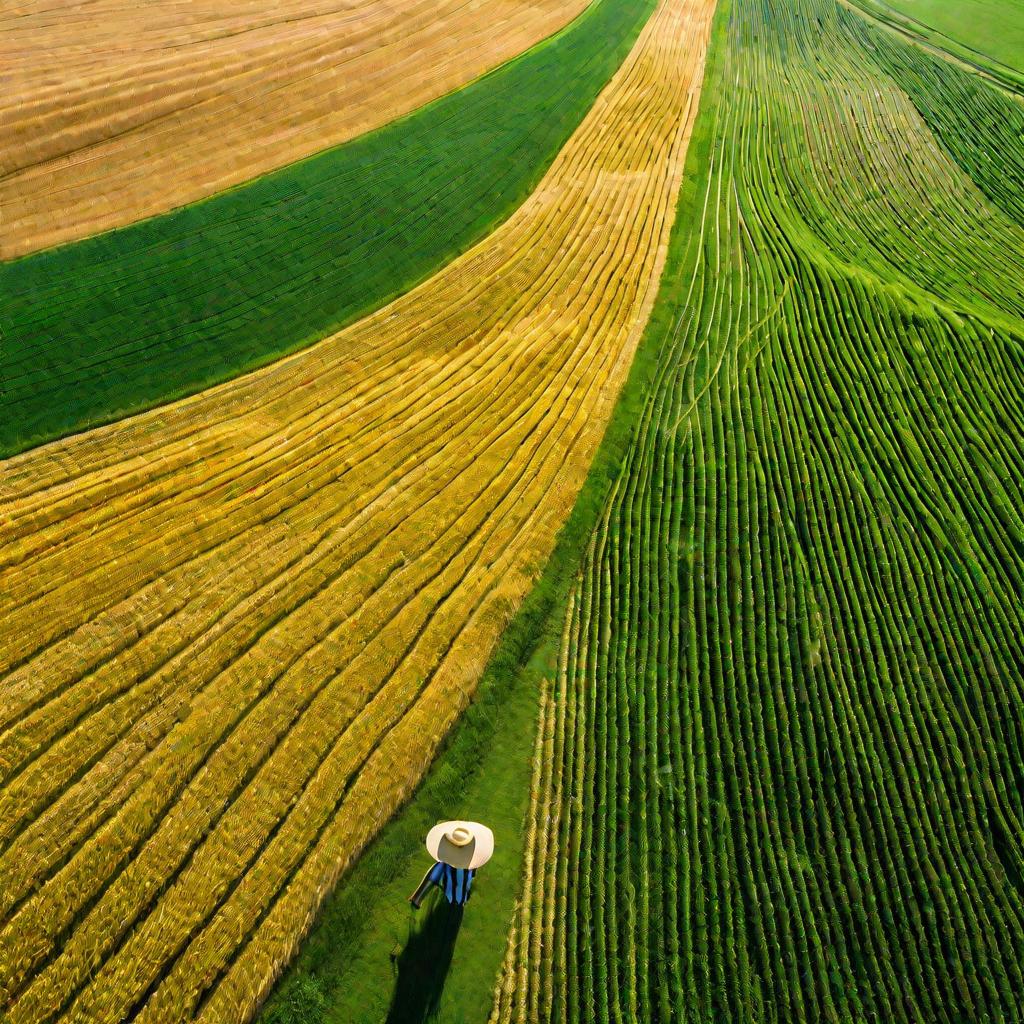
(423, 964)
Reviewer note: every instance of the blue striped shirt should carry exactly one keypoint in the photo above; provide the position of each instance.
(455, 883)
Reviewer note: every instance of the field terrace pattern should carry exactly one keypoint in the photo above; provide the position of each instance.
(116, 111)
(238, 627)
(164, 308)
(780, 774)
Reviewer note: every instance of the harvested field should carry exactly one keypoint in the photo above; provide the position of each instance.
(779, 771)
(238, 627)
(113, 112)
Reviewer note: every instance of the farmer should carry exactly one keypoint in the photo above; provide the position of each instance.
(459, 847)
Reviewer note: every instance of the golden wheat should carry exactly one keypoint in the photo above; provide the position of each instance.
(123, 111)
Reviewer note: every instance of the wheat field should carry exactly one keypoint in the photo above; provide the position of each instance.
(113, 112)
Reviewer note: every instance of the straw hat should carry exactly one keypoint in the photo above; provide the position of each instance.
(462, 844)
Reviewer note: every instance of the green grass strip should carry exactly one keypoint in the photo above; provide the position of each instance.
(990, 31)
(138, 316)
(347, 970)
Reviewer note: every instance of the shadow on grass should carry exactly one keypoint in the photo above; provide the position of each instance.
(423, 964)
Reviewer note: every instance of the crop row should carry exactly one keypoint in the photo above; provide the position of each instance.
(240, 626)
(785, 776)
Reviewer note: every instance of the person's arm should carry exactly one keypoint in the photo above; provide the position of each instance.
(429, 879)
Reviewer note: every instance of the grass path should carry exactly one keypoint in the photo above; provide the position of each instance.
(344, 970)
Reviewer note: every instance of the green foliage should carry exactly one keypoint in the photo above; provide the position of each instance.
(137, 316)
(302, 1003)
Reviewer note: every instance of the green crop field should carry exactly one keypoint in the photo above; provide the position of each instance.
(785, 772)
(994, 28)
(112, 324)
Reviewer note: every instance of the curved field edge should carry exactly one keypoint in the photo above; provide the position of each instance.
(113, 119)
(968, 116)
(899, 20)
(345, 970)
(994, 29)
(988, 33)
(144, 315)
